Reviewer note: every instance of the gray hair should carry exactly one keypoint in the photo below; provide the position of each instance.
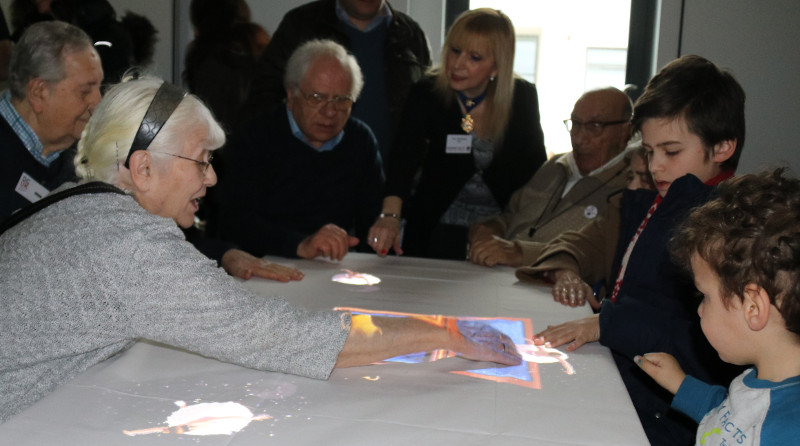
(40, 52)
(306, 54)
(107, 137)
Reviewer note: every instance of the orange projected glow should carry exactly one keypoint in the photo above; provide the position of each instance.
(520, 330)
(204, 419)
(363, 323)
(355, 278)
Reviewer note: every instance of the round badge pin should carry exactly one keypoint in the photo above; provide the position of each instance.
(590, 212)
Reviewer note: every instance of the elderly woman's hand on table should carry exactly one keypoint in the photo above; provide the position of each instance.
(240, 264)
(576, 333)
(570, 289)
(482, 342)
(330, 241)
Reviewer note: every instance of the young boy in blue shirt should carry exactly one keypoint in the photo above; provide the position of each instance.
(691, 117)
(744, 251)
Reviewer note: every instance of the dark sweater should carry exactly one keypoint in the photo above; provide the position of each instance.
(16, 160)
(278, 190)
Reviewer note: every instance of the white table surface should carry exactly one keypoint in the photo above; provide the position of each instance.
(388, 404)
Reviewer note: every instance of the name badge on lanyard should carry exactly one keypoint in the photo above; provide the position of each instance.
(459, 144)
(30, 188)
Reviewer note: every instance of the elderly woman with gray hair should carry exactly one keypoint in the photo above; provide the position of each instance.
(94, 267)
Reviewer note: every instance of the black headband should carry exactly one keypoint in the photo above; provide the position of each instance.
(163, 104)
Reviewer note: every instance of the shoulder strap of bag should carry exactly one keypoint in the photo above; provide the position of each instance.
(88, 188)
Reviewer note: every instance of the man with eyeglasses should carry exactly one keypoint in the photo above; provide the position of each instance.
(305, 177)
(568, 191)
(54, 85)
(390, 48)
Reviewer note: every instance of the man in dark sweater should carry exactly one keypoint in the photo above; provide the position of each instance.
(303, 177)
(54, 85)
(390, 47)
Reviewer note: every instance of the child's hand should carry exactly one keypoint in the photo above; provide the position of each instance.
(663, 368)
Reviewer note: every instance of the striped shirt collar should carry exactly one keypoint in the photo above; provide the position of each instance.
(24, 131)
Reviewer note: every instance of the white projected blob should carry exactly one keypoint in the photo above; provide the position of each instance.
(355, 278)
(542, 354)
(204, 419)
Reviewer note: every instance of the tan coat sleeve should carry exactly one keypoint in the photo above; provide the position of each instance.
(588, 251)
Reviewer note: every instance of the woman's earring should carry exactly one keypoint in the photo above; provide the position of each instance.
(491, 79)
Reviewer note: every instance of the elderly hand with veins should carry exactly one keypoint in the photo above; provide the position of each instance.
(240, 264)
(570, 289)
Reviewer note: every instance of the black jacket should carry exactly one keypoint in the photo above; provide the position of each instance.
(420, 149)
(407, 54)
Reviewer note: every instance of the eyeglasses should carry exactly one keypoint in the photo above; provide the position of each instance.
(316, 100)
(204, 165)
(594, 128)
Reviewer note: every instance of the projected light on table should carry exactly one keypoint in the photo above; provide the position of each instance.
(355, 278)
(520, 330)
(204, 419)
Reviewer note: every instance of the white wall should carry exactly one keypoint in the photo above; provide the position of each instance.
(757, 42)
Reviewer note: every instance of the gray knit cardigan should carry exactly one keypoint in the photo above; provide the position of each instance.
(84, 278)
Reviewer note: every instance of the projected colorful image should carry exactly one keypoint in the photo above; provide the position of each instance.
(520, 330)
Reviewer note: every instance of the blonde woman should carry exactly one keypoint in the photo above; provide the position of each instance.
(469, 137)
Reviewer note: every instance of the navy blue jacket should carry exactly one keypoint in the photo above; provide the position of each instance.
(656, 309)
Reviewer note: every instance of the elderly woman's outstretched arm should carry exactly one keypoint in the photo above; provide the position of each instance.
(373, 338)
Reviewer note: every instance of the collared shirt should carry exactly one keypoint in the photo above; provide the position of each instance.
(327, 145)
(384, 15)
(575, 174)
(24, 132)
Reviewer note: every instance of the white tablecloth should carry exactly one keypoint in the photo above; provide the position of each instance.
(388, 404)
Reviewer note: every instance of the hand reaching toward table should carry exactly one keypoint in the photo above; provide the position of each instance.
(385, 235)
(240, 264)
(569, 289)
(330, 241)
(482, 342)
(576, 333)
(663, 368)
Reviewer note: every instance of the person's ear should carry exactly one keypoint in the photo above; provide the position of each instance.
(724, 150)
(141, 168)
(37, 92)
(755, 306)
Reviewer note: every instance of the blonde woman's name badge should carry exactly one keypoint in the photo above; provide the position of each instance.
(459, 144)
(590, 212)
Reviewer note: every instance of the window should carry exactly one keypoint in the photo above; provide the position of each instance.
(525, 57)
(605, 66)
(565, 47)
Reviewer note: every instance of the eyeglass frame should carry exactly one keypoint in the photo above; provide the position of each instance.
(324, 99)
(204, 164)
(596, 127)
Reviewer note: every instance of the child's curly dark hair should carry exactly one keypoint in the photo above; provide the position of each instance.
(750, 234)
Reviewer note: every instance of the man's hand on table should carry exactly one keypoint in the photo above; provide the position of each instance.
(330, 241)
(576, 333)
(240, 264)
(569, 289)
(495, 251)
